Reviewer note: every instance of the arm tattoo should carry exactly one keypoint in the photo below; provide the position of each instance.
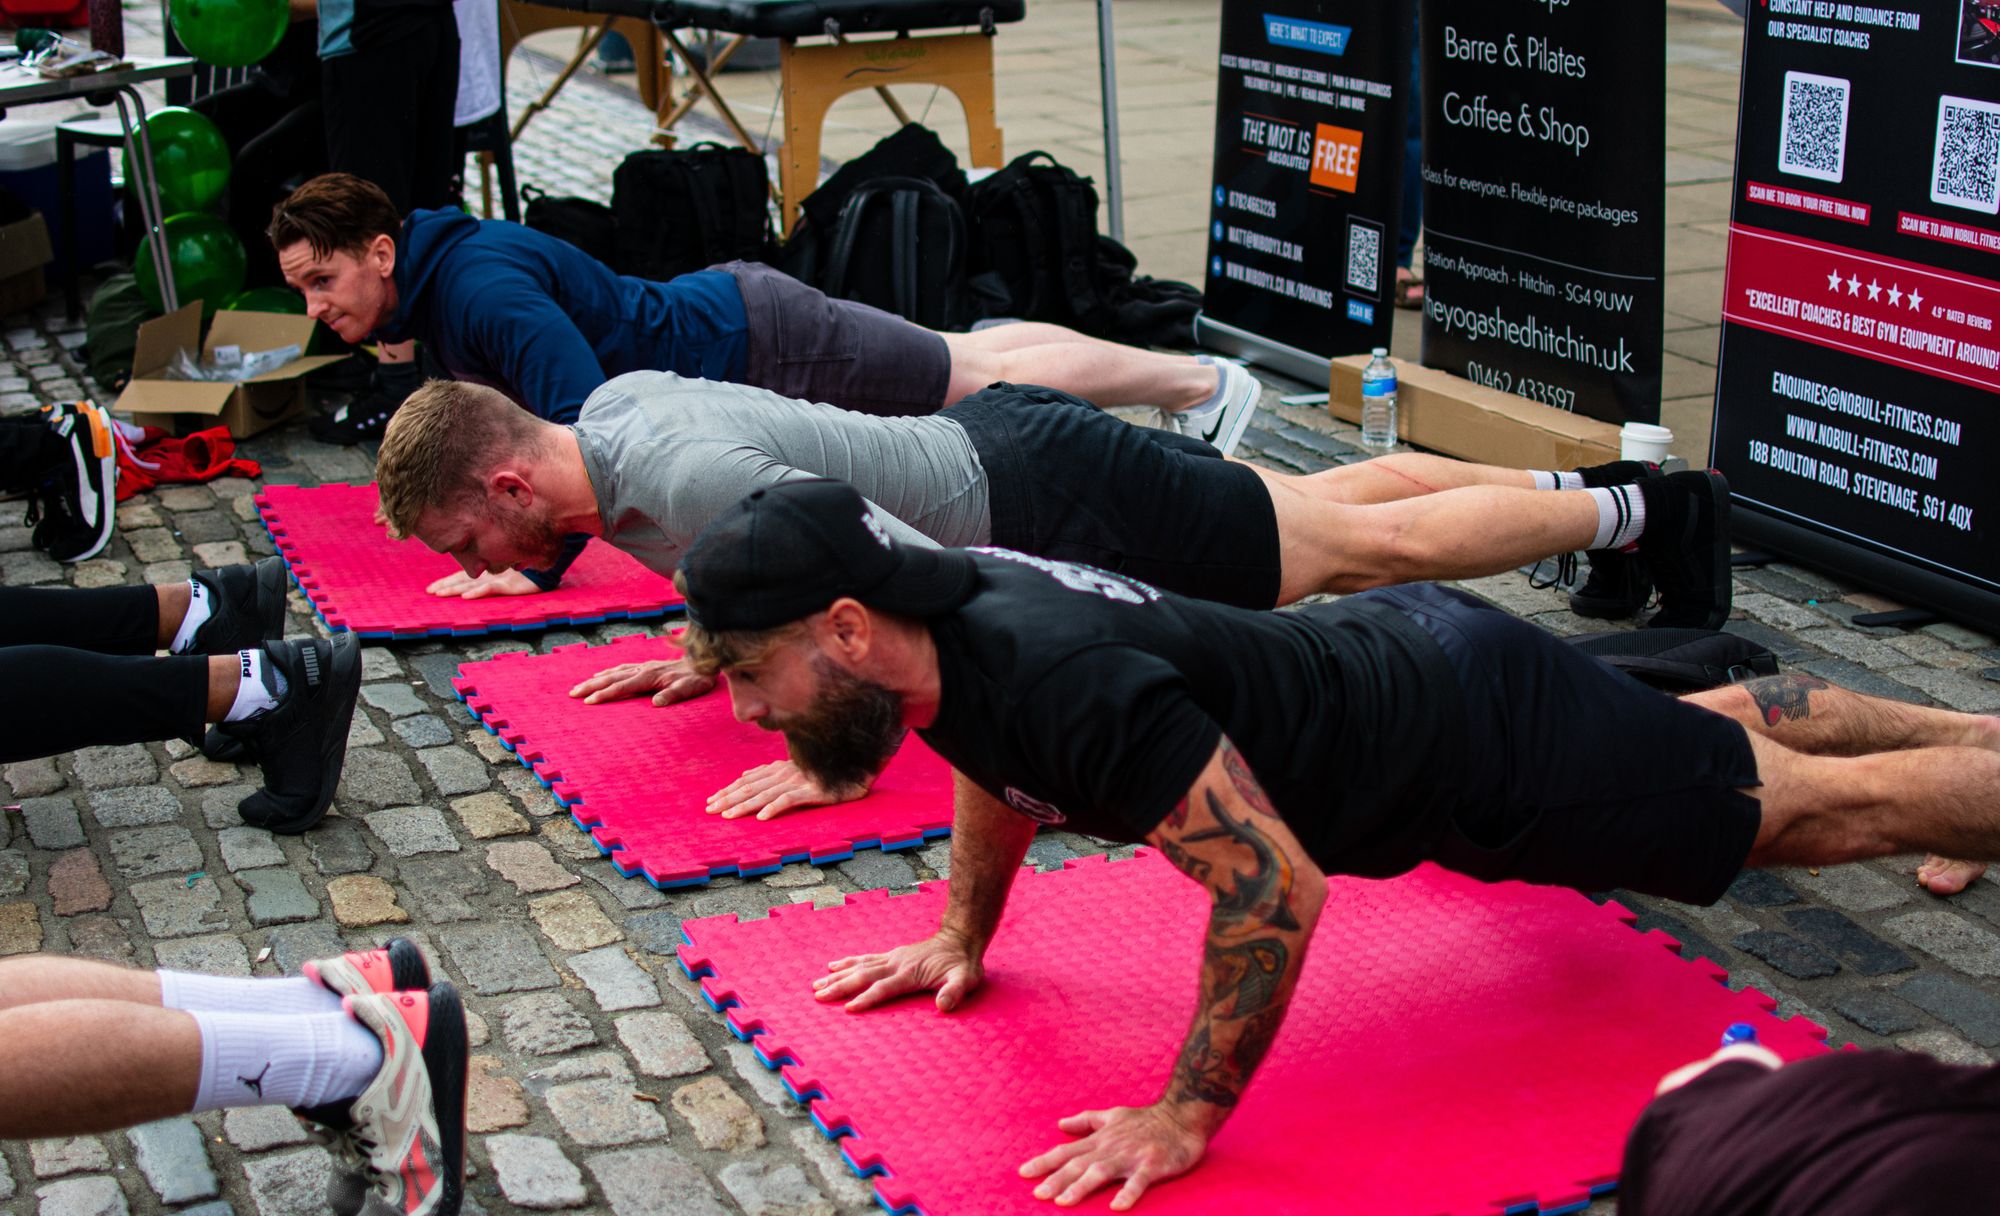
(1263, 895)
(1245, 781)
(1784, 698)
(1252, 953)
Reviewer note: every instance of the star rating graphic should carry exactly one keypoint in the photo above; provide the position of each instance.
(1835, 281)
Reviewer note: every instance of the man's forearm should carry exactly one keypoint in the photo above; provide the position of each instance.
(988, 843)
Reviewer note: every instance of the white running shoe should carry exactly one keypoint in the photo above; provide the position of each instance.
(1222, 427)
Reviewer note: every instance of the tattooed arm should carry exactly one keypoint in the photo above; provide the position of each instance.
(988, 841)
(1265, 896)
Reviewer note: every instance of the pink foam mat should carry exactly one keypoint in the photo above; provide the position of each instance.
(1453, 1047)
(358, 579)
(636, 775)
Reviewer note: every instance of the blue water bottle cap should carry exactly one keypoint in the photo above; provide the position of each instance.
(1739, 1032)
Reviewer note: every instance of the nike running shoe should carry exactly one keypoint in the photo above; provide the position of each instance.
(1222, 427)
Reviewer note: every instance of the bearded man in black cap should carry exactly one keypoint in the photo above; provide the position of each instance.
(1259, 751)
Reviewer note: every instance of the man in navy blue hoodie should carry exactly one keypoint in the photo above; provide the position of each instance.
(545, 323)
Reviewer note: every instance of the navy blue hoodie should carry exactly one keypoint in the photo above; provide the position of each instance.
(544, 322)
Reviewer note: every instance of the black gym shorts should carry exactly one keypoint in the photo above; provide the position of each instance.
(1067, 481)
(1574, 774)
(800, 343)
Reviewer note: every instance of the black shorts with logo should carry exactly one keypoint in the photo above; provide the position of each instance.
(803, 344)
(1570, 772)
(1067, 481)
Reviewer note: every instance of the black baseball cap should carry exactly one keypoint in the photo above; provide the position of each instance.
(785, 552)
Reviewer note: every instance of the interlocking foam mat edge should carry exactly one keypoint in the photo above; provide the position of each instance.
(518, 614)
(548, 772)
(1793, 1037)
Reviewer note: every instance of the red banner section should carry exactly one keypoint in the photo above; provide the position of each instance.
(1950, 232)
(1877, 307)
(1794, 199)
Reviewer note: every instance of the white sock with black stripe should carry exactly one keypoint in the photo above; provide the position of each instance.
(1621, 516)
(1545, 480)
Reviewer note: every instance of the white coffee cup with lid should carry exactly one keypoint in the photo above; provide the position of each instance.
(1644, 441)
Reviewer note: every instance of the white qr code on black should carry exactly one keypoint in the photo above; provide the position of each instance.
(1364, 258)
(1812, 135)
(1965, 172)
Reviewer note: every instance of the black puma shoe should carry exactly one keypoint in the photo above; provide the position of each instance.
(302, 741)
(246, 606)
(1617, 473)
(1686, 546)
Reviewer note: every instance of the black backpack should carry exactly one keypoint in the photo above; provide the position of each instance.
(900, 246)
(1035, 243)
(681, 210)
(585, 223)
(911, 151)
(1680, 660)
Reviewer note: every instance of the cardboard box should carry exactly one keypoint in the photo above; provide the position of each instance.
(1450, 414)
(24, 249)
(246, 407)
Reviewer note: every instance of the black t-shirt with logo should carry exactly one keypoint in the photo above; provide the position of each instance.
(1087, 699)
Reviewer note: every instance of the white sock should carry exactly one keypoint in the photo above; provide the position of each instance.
(262, 1059)
(1556, 481)
(197, 616)
(1214, 401)
(252, 698)
(1621, 516)
(293, 994)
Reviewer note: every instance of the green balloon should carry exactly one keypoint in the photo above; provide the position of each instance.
(205, 255)
(230, 33)
(267, 299)
(190, 159)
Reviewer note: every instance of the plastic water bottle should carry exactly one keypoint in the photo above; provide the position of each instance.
(1378, 401)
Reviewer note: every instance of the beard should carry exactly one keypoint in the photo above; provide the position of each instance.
(849, 734)
(535, 539)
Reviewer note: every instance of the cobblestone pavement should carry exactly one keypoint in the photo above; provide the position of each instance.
(601, 1081)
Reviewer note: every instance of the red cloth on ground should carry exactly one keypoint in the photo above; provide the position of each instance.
(202, 456)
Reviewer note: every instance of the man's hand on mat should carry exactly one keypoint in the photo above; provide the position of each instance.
(940, 962)
(1141, 1144)
(770, 790)
(665, 680)
(466, 587)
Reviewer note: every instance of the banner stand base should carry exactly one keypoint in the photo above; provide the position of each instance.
(1264, 352)
(1946, 596)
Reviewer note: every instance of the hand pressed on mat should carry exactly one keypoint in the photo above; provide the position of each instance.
(770, 790)
(667, 681)
(941, 962)
(1141, 1144)
(464, 586)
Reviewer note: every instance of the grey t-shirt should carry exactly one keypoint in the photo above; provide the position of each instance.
(667, 454)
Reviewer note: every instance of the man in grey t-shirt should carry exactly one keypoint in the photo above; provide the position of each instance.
(653, 458)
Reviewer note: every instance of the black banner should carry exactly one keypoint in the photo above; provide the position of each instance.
(1859, 352)
(1310, 129)
(1544, 198)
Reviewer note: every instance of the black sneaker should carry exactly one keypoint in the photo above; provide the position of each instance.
(1619, 584)
(303, 740)
(246, 606)
(1686, 545)
(359, 421)
(1617, 473)
(78, 503)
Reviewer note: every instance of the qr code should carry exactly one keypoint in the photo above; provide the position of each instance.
(1965, 172)
(1364, 257)
(1812, 135)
